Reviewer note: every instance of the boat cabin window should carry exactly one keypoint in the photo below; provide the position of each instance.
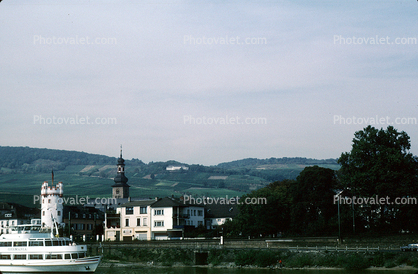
(36, 243)
(5, 257)
(5, 243)
(81, 255)
(55, 242)
(36, 257)
(67, 256)
(19, 257)
(48, 242)
(20, 243)
(53, 256)
(74, 255)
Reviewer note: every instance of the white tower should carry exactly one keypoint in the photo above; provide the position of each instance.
(52, 207)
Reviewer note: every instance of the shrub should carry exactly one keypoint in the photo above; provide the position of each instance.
(356, 261)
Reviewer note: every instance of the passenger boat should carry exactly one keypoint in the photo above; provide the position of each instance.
(27, 249)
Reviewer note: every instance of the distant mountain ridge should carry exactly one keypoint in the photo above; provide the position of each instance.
(248, 162)
(44, 159)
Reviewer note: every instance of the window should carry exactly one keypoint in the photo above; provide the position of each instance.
(129, 210)
(126, 222)
(138, 222)
(20, 243)
(48, 242)
(36, 243)
(81, 255)
(200, 223)
(36, 257)
(74, 255)
(19, 257)
(59, 213)
(53, 257)
(43, 213)
(145, 222)
(5, 243)
(5, 257)
(158, 211)
(67, 256)
(159, 223)
(143, 210)
(200, 213)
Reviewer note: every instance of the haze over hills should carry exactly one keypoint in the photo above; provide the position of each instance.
(23, 169)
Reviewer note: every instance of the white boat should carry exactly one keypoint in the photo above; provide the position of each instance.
(29, 250)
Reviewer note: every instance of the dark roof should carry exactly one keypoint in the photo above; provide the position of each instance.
(167, 202)
(18, 211)
(221, 211)
(139, 203)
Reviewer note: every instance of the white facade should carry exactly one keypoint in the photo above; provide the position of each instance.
(174, 168)
(162, 219)
(135, 222)
(141, 220)
(52, 207)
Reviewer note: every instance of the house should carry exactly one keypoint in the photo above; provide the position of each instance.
(153, 219)
(175, 168)
(135, 220)
(170, 218)
(217, 214)
(81, 220)
(12, 214)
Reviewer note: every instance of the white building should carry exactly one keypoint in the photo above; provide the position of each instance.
(160, 219)
(174, 168)
(52, 208)
(135, 220)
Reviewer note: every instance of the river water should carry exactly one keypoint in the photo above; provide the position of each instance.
(205, 270)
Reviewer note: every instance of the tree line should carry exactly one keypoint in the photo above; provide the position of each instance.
(378, 165)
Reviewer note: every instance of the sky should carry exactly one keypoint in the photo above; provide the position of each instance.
(206, 82)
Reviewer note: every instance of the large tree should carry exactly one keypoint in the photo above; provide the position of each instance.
(313, 205)
(269, 217)
(380, 164)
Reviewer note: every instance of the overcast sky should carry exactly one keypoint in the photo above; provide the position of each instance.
(206, 82)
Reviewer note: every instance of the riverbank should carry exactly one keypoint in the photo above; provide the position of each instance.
(272, 259)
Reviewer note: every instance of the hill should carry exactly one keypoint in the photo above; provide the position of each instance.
(91, 174)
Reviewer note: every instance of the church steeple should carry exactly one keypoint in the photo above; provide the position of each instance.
(120, 188)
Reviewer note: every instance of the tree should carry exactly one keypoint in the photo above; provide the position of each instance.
(380, 165)
(313, 205)
(270, 218)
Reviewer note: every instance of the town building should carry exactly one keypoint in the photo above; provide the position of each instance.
(12, 214)
(160, 219)
(83, 220)
(217, 214)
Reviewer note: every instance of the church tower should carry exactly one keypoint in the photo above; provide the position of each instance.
(120, 189)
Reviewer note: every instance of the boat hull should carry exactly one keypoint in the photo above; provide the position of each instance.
(84, 265)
